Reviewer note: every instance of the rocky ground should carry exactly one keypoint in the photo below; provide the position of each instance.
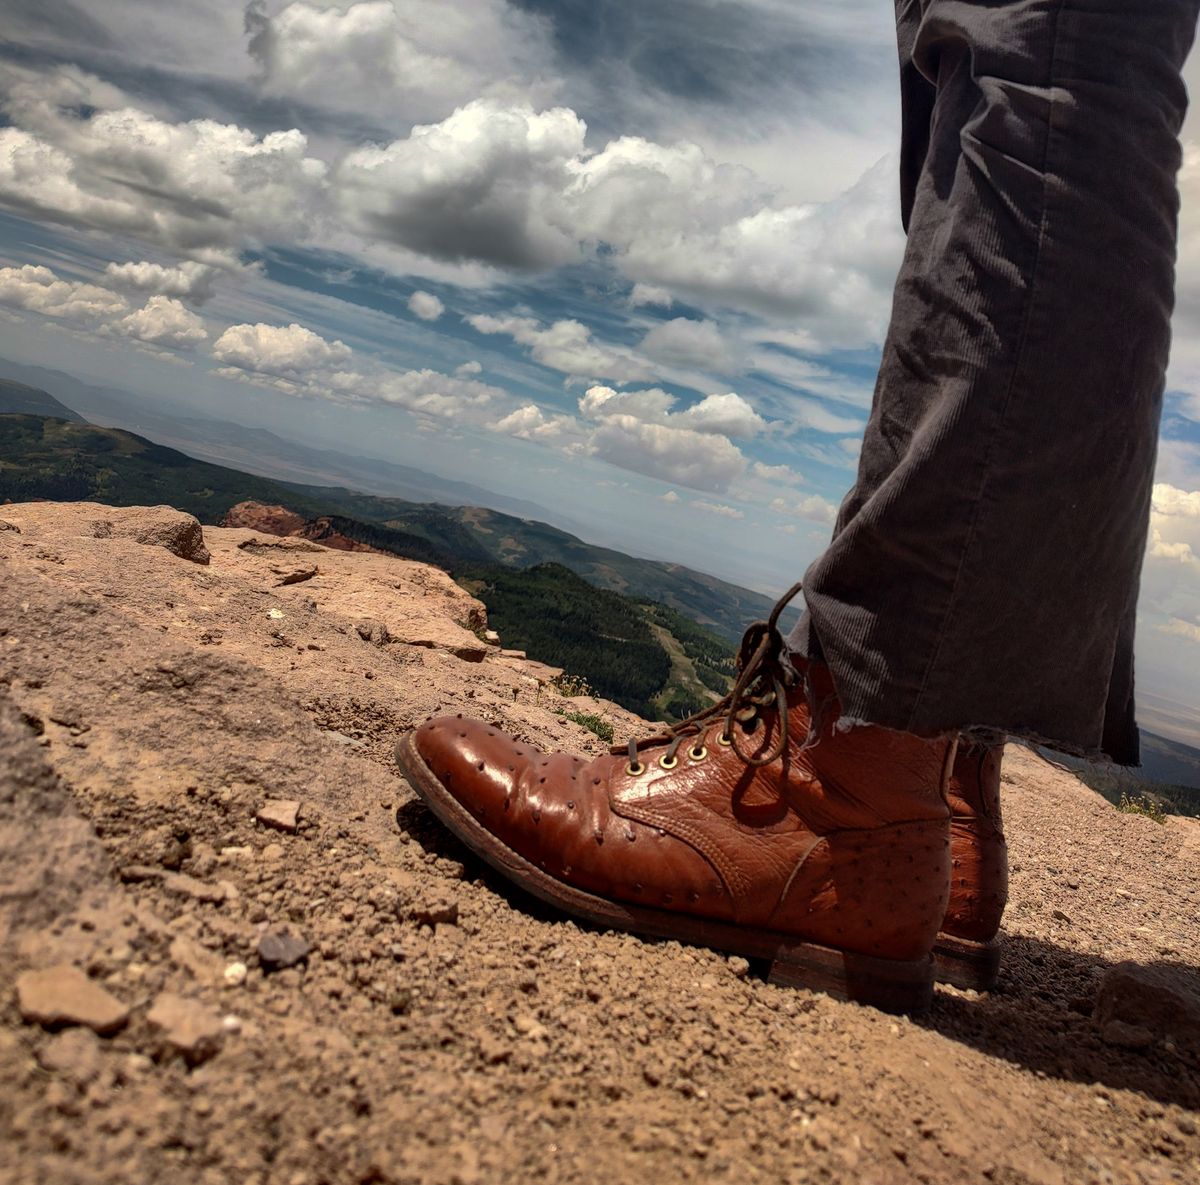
(233, 948)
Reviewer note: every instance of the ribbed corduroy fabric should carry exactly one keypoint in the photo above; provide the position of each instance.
(984, 568)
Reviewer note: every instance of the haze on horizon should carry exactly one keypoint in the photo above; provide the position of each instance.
(632, 261)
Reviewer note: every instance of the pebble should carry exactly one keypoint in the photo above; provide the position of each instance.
(189, 886)
(73, 1053)
(278, 949)
(63, 995)
(1059, 916)
(739, 966)
(435, 910)
(282, 814)
(235, 974)
(187, 1027)
(273, 851)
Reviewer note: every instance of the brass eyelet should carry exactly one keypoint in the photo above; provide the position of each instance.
(634, 770)
(698, 753)
(724, 740)
(668, 762)
(767, 700)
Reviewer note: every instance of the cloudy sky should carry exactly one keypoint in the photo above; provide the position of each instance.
(629, 261)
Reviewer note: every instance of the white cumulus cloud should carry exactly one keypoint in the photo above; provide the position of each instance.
(813, 507)
(38, 290)
(188, 280)
(485, 184)
(164, 321)
(422, 57)
(288, 351)
(687, 343)
(566, 346)
(426, 306)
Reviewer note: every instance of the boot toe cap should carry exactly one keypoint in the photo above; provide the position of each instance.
(476, 762)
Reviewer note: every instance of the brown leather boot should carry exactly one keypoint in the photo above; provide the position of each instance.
(967, 950)
(829, 860)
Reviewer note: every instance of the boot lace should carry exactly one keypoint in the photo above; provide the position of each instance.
(765, 672)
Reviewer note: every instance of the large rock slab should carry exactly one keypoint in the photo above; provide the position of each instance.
(152, 526)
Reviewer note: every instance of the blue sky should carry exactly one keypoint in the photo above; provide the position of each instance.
(630, 261)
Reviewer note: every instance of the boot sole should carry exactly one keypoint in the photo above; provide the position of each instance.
(966, 964)
(892, 985)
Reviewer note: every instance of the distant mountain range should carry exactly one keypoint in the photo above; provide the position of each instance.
(251, 450)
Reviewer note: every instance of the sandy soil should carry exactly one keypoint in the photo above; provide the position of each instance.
(207, 854)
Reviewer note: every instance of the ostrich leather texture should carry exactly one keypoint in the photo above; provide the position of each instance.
(842, 842)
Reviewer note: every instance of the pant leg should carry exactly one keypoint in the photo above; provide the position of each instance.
(984, 568)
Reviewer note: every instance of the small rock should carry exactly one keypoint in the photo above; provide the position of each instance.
(740, 967)
(63, 995)
(1126, 1036)
(278, 949)
(282, 814)
(273, 851)
(235, 974)
(164, 526)
(73, 1053)
(491, 637)
(1059, 916)
(529, 1027)
(7, 526)
(494, 1050)
(133, 874)
(433, 910)
(470, 653)
(187, 1027)
(189, 886)
(297, 577)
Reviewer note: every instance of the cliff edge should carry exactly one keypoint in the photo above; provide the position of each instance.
(233, 947)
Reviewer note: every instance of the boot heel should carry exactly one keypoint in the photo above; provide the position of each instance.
(966, 964)
(892, 985)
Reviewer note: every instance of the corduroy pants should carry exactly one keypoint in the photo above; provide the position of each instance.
(984, 569)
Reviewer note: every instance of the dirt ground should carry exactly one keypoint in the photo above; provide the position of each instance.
(297, 977)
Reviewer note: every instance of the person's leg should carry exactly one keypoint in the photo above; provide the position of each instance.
(985, 565)
(831, 858)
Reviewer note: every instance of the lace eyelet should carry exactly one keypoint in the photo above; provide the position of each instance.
(634, 770)
(668, 762)
(698, 753)
(767, 700)
(724, 740)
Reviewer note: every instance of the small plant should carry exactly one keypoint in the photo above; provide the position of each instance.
(1140, 804)
(592, 723)
(571, 686)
